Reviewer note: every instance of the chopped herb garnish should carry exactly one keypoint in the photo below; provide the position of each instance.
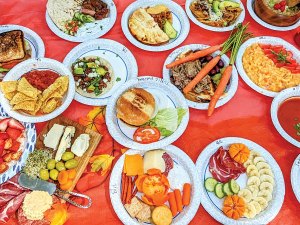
(118, 79)
(281, 57)
(297, 128)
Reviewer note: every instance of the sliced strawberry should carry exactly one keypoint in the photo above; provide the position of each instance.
(4, 124)
(13, 133)
(3, 136)
(15, 146)
(7, 157)
(15, 124)
(2, 144)
(3, 167)
(8, 143)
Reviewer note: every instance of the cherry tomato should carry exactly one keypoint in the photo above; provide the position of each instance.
(3, 167)
(146, 135)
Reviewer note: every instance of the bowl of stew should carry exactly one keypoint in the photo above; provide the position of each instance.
(285, 114)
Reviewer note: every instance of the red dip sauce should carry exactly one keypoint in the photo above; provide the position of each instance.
(289, 117)
(41, 79)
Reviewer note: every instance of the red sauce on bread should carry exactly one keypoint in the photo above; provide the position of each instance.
(289, 116)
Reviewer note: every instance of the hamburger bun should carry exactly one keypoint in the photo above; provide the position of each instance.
(135, 106)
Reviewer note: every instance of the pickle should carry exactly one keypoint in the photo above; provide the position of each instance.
(60, 166)
(169, 30)
(51, 164)
(54, 174)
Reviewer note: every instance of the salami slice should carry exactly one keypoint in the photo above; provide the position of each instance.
(169, 163)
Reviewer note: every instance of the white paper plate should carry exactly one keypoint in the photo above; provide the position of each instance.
(29, 145)
(165, 94)
(90, 30)
(231, 88)
(41, 64)
(280, 98)
(240, 19)
(180, 22)
(213, 205)
(264, 40)
(180, 158)
(295, 177)
(33, 39)
(120, 58)
(250, 7)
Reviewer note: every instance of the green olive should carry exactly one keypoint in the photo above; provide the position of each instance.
(67, 156)
(54, 174)
(60, 166)
(51, 164)
(71, 164)
(44, 174)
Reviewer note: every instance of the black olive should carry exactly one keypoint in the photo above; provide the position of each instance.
(208, 58)
(220, 63)
(213, 72)
(202, 60)
(217, 69)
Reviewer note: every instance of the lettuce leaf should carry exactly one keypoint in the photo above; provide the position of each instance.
(167, 120)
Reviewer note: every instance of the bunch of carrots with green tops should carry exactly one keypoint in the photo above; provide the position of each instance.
(233, 43)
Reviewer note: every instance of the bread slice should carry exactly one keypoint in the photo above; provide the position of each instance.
(144, 28)
(12, 46)
(136, 106)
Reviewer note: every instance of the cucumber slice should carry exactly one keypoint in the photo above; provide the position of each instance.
(210, 184)
(234, 187)
(219, 190)
(226, 189)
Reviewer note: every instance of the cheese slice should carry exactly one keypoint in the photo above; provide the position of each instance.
(65, 142)
(81, 144)
(153, 159)
(133, 165)
(51, 139)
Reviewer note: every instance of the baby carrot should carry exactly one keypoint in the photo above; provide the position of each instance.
(220, 89)
(202, 73)
(178, 199)
(172, 203)
(186, 196)
(194, 56)
(129, 191)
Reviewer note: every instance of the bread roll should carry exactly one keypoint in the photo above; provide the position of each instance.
(135, 106)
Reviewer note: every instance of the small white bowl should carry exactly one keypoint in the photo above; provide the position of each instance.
(280, 98)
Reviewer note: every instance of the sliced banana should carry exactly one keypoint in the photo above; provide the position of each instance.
(248, 163)
(266, 172)
(252, 171)
(263, 165)
(265, 194)
(254, 180)
(254, 154)
(267, 178)
(263, 202)
(266, 186)
(258, 159)
(250, 211)
(245, 194)
(257, 206)
(254, 190)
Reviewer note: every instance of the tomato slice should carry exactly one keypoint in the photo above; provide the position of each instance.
(146, 135)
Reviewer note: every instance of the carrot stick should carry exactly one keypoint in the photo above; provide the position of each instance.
(202, 73)
(194, 56)
(172, 203)
(128, 195)
(178, 199)
(125, 189)
(186, 196)
(220, 89)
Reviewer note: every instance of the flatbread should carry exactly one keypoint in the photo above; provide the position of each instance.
(62, 11)
(110, 84)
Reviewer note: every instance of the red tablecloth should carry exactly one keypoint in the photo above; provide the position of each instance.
(247, 115)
